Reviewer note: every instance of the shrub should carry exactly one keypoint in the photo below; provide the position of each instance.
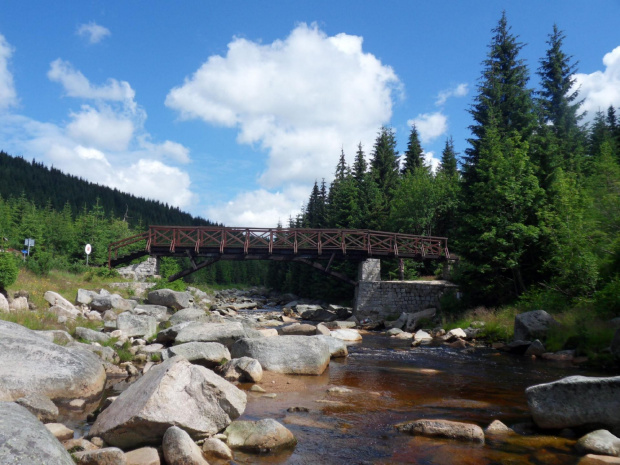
(178, 285)
(607, 300)
(40, 264)
(8, 270)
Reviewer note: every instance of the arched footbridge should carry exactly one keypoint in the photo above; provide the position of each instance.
(204, 245)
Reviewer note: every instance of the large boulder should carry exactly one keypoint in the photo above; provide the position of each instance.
(259, 436)
(4, 304)
(136, 325)
(224, 333)
(319, 314)
(105, 456)
(175, 393)
(24, 439)
(40, 406)
(301, 355)
(31, 364)
(349, 334)
(91, 335)
(171, 299)
(599, 442)
(576, 401)
(533, 325)
(297, 329)
(207, 354)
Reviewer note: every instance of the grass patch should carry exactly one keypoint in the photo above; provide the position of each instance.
(45, 320)
(498, 323)
(155, 358)
(123, 352)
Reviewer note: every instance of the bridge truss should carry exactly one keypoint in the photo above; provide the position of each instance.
(212, 243)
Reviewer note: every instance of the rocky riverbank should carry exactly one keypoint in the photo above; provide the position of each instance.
(192, 361)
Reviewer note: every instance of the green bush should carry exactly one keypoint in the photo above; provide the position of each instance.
(544, 299)
(607, 300)
(8, 270)
(178, 285)
(40, 264)
(451, 304)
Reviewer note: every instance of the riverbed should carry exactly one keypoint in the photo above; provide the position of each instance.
(392, 383)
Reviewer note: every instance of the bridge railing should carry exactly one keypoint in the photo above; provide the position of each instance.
(297, 240)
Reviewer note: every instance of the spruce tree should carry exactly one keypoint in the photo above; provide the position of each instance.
(503, 96)
(559, 136)
(414, 155)
(360, 166)
(448, 159)
(384, 162)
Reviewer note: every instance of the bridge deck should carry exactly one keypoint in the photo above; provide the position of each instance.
(277, 244)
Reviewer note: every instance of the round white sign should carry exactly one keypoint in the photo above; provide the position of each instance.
(87, 249)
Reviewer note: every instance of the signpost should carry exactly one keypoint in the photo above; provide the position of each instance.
(29, 243)
(88, 249)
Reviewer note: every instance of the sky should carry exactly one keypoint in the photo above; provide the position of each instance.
(232, 110)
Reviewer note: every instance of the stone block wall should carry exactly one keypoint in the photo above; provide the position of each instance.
(141, 271)
(380, 299)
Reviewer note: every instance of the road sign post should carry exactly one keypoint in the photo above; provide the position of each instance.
(29, 243)
(88, 249)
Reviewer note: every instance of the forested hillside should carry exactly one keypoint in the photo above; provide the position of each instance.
(533, 210)
(50, 187)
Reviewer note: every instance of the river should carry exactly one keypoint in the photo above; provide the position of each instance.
(391, 383)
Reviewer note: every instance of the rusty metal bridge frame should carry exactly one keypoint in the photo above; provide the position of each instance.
(284, 244)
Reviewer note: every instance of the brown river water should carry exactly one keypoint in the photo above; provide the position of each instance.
(392, 383)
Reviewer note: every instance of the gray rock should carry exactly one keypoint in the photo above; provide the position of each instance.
(207, 354)
(393, 331)
(421, 336)
(85, 297)
(171, 299)
(303, 308)
(533, 325)
(342, 324)
(105, 456)
(415, 319)
(68, 313)
(576, 401)
(143, 456)
(19, 304)
(259, 436)
(173, 393)
(30, 364)
(350, 335)
(454, 334)
(136, 325)
(91, 336)
(599, 442)
(304, 355)
(56, 300)
(337, 348)
(106, 354)
(101, 303)
(319, 314)
(224, 333)
(214, 448)
(536, 348)
(60, 431)
(187, 314)
(110, 315)
(25, 440)
(497, 427)
(122, 305)
(443, 429)
(169, 335)
(244, 369)
(40, 406)
(518, 347)
(159, 312)
(321, 329)
(297, 329)
(179, 449)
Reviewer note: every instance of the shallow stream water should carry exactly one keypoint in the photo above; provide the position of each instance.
(392, 383)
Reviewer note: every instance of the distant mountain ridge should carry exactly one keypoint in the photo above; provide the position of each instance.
(50, 186)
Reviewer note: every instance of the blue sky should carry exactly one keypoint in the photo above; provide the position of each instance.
(231, 110)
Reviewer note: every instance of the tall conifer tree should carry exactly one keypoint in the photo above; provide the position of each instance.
(384, 162)
(414, 155)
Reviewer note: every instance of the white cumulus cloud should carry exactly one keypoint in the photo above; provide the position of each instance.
(299, 99)
(92, 32)
(430, 126)
(8, 96)
(460, 90)
(104, 141)
(77, 85)
(601, 89)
